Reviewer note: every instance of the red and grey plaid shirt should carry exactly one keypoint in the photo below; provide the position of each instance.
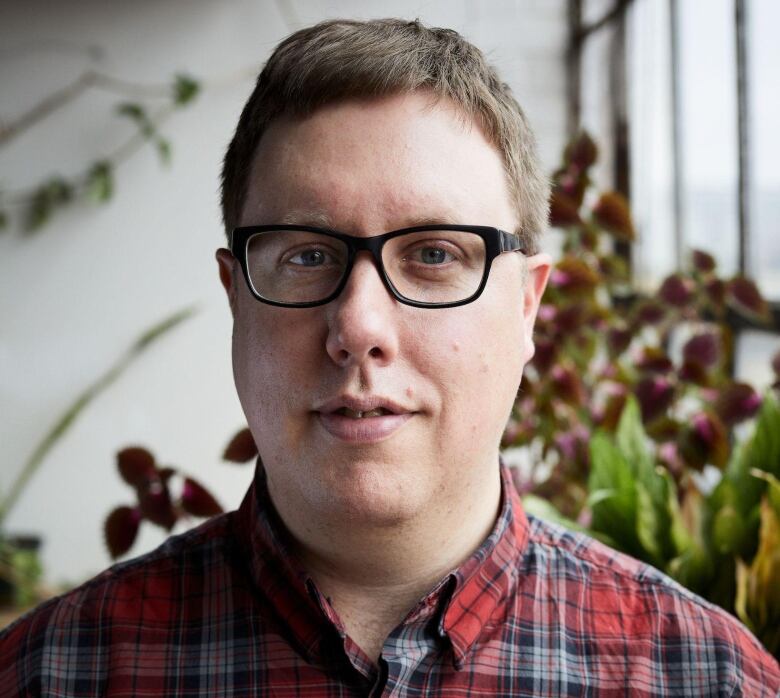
(224, 610)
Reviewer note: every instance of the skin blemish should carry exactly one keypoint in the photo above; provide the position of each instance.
(455, 345)
(410, 392)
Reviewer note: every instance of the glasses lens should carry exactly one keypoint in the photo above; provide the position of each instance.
(295, 266)
(435, 266)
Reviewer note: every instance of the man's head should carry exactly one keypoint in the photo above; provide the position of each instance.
(443, 380)
(340, 59)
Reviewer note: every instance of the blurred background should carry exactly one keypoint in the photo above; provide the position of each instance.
(114, 118)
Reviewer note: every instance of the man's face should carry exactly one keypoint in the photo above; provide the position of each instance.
(451, 375)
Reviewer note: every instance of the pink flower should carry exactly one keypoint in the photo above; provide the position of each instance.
(559, 278)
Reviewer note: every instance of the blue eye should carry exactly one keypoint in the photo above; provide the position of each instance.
(434, 255)
(431, 256)
(309, 258)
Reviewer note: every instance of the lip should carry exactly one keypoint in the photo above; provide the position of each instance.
(362, 404)
(366, 429)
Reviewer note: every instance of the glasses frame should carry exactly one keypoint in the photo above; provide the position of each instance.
(496, 242)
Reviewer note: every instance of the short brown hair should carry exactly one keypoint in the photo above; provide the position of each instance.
(343, 59)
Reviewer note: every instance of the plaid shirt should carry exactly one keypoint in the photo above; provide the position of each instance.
(225, 610)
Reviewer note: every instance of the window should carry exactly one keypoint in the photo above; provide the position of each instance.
(701, 109)
(763, 58)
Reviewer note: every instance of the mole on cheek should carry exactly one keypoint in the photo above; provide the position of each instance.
(455, 345)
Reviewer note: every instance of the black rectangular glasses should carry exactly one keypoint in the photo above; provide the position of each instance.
(427, 266)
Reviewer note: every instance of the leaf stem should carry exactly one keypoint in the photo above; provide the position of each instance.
(66, 420)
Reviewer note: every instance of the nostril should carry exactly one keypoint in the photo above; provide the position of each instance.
(375, 352)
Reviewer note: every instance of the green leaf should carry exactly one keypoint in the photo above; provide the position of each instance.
(632, 439)
(692, 568)
(543, 509)
(136, 113)
(614, 515)
(728, 530)
(599, 496)
(164, 150)
(741, 599)
(758, 586)
(749, 542)
(132, 110)
(773, 489)
(25, 570)
(760, 451)
(185, 89)
(100, 182)
(49, 196)
(648, 525)
(680, 537)
(653, 521)
(39, 213)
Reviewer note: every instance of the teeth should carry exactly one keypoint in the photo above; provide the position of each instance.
(354, 414)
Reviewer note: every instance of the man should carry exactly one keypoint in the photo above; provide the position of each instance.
(384, 207)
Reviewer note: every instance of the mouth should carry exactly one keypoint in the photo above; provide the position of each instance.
(357, 414)
(362, 420)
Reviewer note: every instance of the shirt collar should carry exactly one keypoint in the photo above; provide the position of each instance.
(481, 588)
(277, 572)
(469, 599)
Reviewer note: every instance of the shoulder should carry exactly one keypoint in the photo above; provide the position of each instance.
(645, 609)
(145, 590)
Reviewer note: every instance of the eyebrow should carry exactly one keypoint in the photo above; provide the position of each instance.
(320, 219)
(317, 219)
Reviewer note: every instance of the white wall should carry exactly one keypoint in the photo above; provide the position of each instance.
(73, 296)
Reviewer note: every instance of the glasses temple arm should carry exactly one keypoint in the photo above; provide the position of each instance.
(510, 243)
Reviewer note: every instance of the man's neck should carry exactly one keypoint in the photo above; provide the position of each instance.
(374, 576)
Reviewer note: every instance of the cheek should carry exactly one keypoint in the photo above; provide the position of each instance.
(269, 365)
(481, 362)
(249, 356)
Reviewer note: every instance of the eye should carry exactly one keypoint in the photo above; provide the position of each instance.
(434, 255)
(430, 255)
(308, 258)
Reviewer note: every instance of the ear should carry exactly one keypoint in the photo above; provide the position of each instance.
(228, 273)
(537, 272)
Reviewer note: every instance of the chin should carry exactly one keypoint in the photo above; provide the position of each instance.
(370, 493)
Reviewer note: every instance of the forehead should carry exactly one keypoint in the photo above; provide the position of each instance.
(384, 163)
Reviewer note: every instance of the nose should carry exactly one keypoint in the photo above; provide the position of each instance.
(361, 321)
